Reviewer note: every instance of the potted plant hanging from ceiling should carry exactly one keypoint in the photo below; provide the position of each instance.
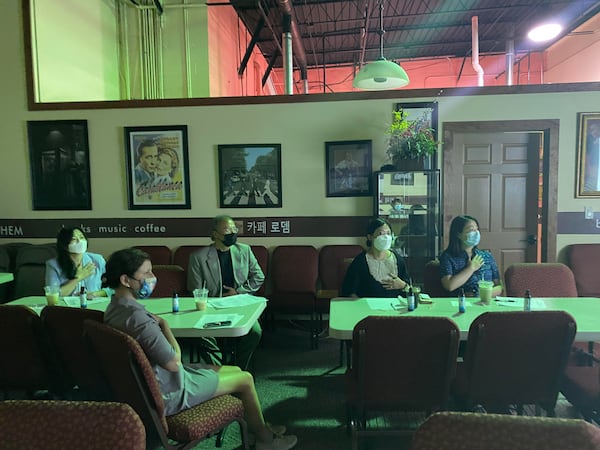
(410, 142)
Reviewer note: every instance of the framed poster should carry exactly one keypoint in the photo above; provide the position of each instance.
(250, 176)
(60, 164)
(157, 167)
(588, 155)
(348, 168)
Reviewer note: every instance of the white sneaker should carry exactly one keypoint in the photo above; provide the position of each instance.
(278, 443)
(278, 430)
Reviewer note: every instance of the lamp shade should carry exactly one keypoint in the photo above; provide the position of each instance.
(379, 75)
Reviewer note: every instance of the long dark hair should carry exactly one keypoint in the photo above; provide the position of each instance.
(63, 257)
(373, 225)
(456, 228)
(123, 262)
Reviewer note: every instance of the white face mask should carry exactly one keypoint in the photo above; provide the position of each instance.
(78, 247)
(383, 242)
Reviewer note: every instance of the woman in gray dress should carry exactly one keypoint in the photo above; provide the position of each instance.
(129, 273)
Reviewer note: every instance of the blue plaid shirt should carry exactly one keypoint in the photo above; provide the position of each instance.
(451, 265)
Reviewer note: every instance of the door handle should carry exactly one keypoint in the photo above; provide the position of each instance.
(531, 239)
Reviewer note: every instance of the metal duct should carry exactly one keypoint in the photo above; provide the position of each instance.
(510, 61)
(475, 44)
(286, 8)
(288, 65)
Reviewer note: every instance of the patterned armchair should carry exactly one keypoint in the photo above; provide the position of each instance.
(59, 425)
(470, 431)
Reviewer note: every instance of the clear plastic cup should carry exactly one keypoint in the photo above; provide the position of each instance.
(201, 298)
(485, 291)
(52, 294)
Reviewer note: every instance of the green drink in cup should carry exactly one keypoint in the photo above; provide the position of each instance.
(485, 291)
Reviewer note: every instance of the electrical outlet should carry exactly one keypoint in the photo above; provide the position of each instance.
(589, 212)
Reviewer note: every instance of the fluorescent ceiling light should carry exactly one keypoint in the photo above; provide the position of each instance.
(544, 32)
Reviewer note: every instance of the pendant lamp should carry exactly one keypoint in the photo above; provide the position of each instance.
(381, 74)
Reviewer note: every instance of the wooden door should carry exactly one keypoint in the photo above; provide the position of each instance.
(494, 177)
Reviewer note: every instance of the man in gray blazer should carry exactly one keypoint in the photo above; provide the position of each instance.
(227, 267)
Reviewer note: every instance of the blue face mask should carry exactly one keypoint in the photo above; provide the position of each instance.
(472, 239)
(398, 207)
(147, 287)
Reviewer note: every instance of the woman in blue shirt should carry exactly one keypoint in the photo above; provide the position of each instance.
(74, 267)
(462, 264)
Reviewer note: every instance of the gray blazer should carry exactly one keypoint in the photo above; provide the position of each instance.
(204, 267)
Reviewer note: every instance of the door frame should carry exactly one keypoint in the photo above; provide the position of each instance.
(549, 129)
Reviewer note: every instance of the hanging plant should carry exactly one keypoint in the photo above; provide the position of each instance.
(410, 139)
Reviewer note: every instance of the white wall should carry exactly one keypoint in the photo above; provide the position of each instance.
(301, 128)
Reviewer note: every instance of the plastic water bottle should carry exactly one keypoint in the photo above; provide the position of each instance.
(175, 302)
(527, 301)
(82, 297)
(410, 299)
(461, 300)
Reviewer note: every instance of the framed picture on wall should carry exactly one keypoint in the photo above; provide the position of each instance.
(60, 164)
(157, 167)
(250, 176)
(425, 114)
(588, 155)
(348, 166)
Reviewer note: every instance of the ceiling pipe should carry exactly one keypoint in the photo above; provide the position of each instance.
(287, 8)
(475, 44)
(510, 61)
(288, 65)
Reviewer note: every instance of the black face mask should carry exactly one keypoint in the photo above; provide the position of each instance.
(229, 239)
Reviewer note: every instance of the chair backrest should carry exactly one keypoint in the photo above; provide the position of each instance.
(517, 357)
(64, 328)
(582, 259)
(333, 264)
(432, 283)
(159, 254)
(171, 278)
(12, 248)
(22, 349)
(469, 431)
(262, 256)
(542, 279)
(30, 269)
(404, 362)
(128, 372)
(59, 425)
(294, 273)
(181, 256)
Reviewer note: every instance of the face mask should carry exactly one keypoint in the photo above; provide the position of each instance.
(472, 239)
(145, 290)
(229, 239)
(398, 207)
(383, 242)
(78, 247)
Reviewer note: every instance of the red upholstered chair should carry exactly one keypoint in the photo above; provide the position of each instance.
(542, 279)
(171, 278)
(333, 263)
(181, 257)
(30, 269)
(294, 272)
(63, 326)
(515, 358)
(159, 254)
(469, 431)
(432, 283)
(262, 256)
(59, 425)
(400, 363)
(583, 261)
(24, 367)
(132, 381)
(581, 387)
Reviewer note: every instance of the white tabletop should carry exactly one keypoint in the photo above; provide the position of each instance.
(345, 313)
(6, 277)
(185, 322)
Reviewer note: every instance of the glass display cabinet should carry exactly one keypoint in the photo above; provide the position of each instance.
(410, 202)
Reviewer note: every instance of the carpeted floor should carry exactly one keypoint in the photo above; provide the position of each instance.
(304, 390)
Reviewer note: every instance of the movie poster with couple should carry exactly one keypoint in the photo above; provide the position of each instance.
(157, 166)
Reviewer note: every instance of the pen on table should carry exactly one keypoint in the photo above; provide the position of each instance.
(511, 301)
